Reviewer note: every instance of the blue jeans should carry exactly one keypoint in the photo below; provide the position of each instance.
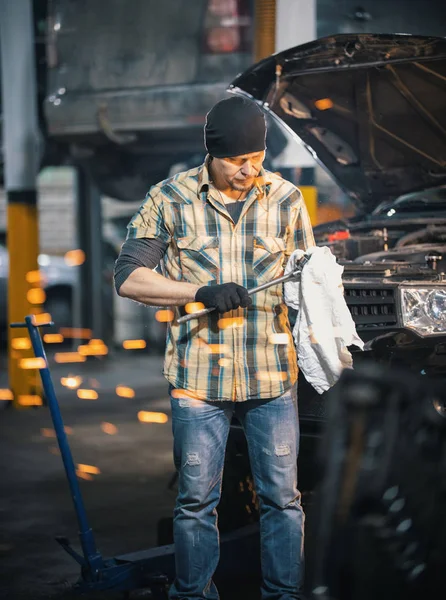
(200, 431)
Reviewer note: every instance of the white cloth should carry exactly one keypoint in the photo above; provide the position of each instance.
(324, 326)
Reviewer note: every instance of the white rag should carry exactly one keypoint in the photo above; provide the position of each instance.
(324, 326)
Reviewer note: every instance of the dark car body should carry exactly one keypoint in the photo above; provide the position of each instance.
(370, 108)
(393, 231)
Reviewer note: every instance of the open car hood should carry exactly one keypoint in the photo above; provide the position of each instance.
(369, 107)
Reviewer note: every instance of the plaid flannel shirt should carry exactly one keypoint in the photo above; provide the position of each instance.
(245, 353)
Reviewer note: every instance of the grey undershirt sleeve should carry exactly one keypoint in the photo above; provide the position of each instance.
(135, 253)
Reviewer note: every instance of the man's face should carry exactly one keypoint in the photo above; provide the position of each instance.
(239, 172)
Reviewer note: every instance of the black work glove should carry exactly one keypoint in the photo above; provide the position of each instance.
(223, 297)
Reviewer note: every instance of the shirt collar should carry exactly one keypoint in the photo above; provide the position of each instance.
(263, 180)
(203, 175)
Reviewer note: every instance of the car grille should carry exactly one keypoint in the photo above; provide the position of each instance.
(371, 306)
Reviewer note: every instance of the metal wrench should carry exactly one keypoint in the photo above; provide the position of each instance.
(302, 262)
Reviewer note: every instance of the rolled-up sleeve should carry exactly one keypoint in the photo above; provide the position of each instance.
(140, 252)
(147, 238)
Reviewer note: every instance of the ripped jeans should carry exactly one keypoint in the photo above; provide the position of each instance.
(200, 432)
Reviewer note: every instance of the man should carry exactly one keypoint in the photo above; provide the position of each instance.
(223, 228)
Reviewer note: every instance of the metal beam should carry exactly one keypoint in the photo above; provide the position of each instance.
(90, 240)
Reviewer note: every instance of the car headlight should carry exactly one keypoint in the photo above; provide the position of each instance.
(424, 309)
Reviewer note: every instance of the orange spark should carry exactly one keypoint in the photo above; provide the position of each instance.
(77, 333)
(125, 392)
(134, 344)
(93, 348)
(87, 394)
(91, 469)
(74, 258)
(226, 322)
(164, 316)
(22, 343)
(42, 318)
(323, 104)
(35, 277)
(193, 307)
(179, 393)
(267, 376)
(279, 338)
(36, 296)
(68, 357)
(82, 475)
(53, 338)
(47, 432)
(109, 428)
(32, 363)
(71, 381)
(30, 400)
(152, 417)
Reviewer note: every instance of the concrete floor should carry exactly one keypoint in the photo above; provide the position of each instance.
(124, 501)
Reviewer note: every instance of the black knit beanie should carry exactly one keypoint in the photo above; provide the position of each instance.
(234, 126)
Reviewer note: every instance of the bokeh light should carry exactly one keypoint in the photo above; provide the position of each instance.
(134, 344)
(109, 428)
(69, 357)
(32, 363)
(164, 315)
(72, 381)
(22, 343)
(74, 258)
(152, 417)
(36, 296)
(84, 394)
(267, 376)
(125, 392)
(30, 400)
(53, 338)
(279, 338)
(193, 307)
(230, 322)
(324, 104)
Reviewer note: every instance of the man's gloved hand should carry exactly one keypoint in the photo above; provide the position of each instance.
(223, 297)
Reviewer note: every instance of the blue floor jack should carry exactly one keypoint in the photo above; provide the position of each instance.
(153, 569)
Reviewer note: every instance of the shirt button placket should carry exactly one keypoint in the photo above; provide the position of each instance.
(234, 329)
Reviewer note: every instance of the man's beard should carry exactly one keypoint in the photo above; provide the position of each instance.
(241, 187)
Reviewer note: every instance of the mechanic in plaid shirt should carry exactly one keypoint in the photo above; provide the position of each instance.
(222, 228)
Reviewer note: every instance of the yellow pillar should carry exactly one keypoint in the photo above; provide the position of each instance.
(309, 192)
(21, 150)
(264, 28)
(25, 296)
